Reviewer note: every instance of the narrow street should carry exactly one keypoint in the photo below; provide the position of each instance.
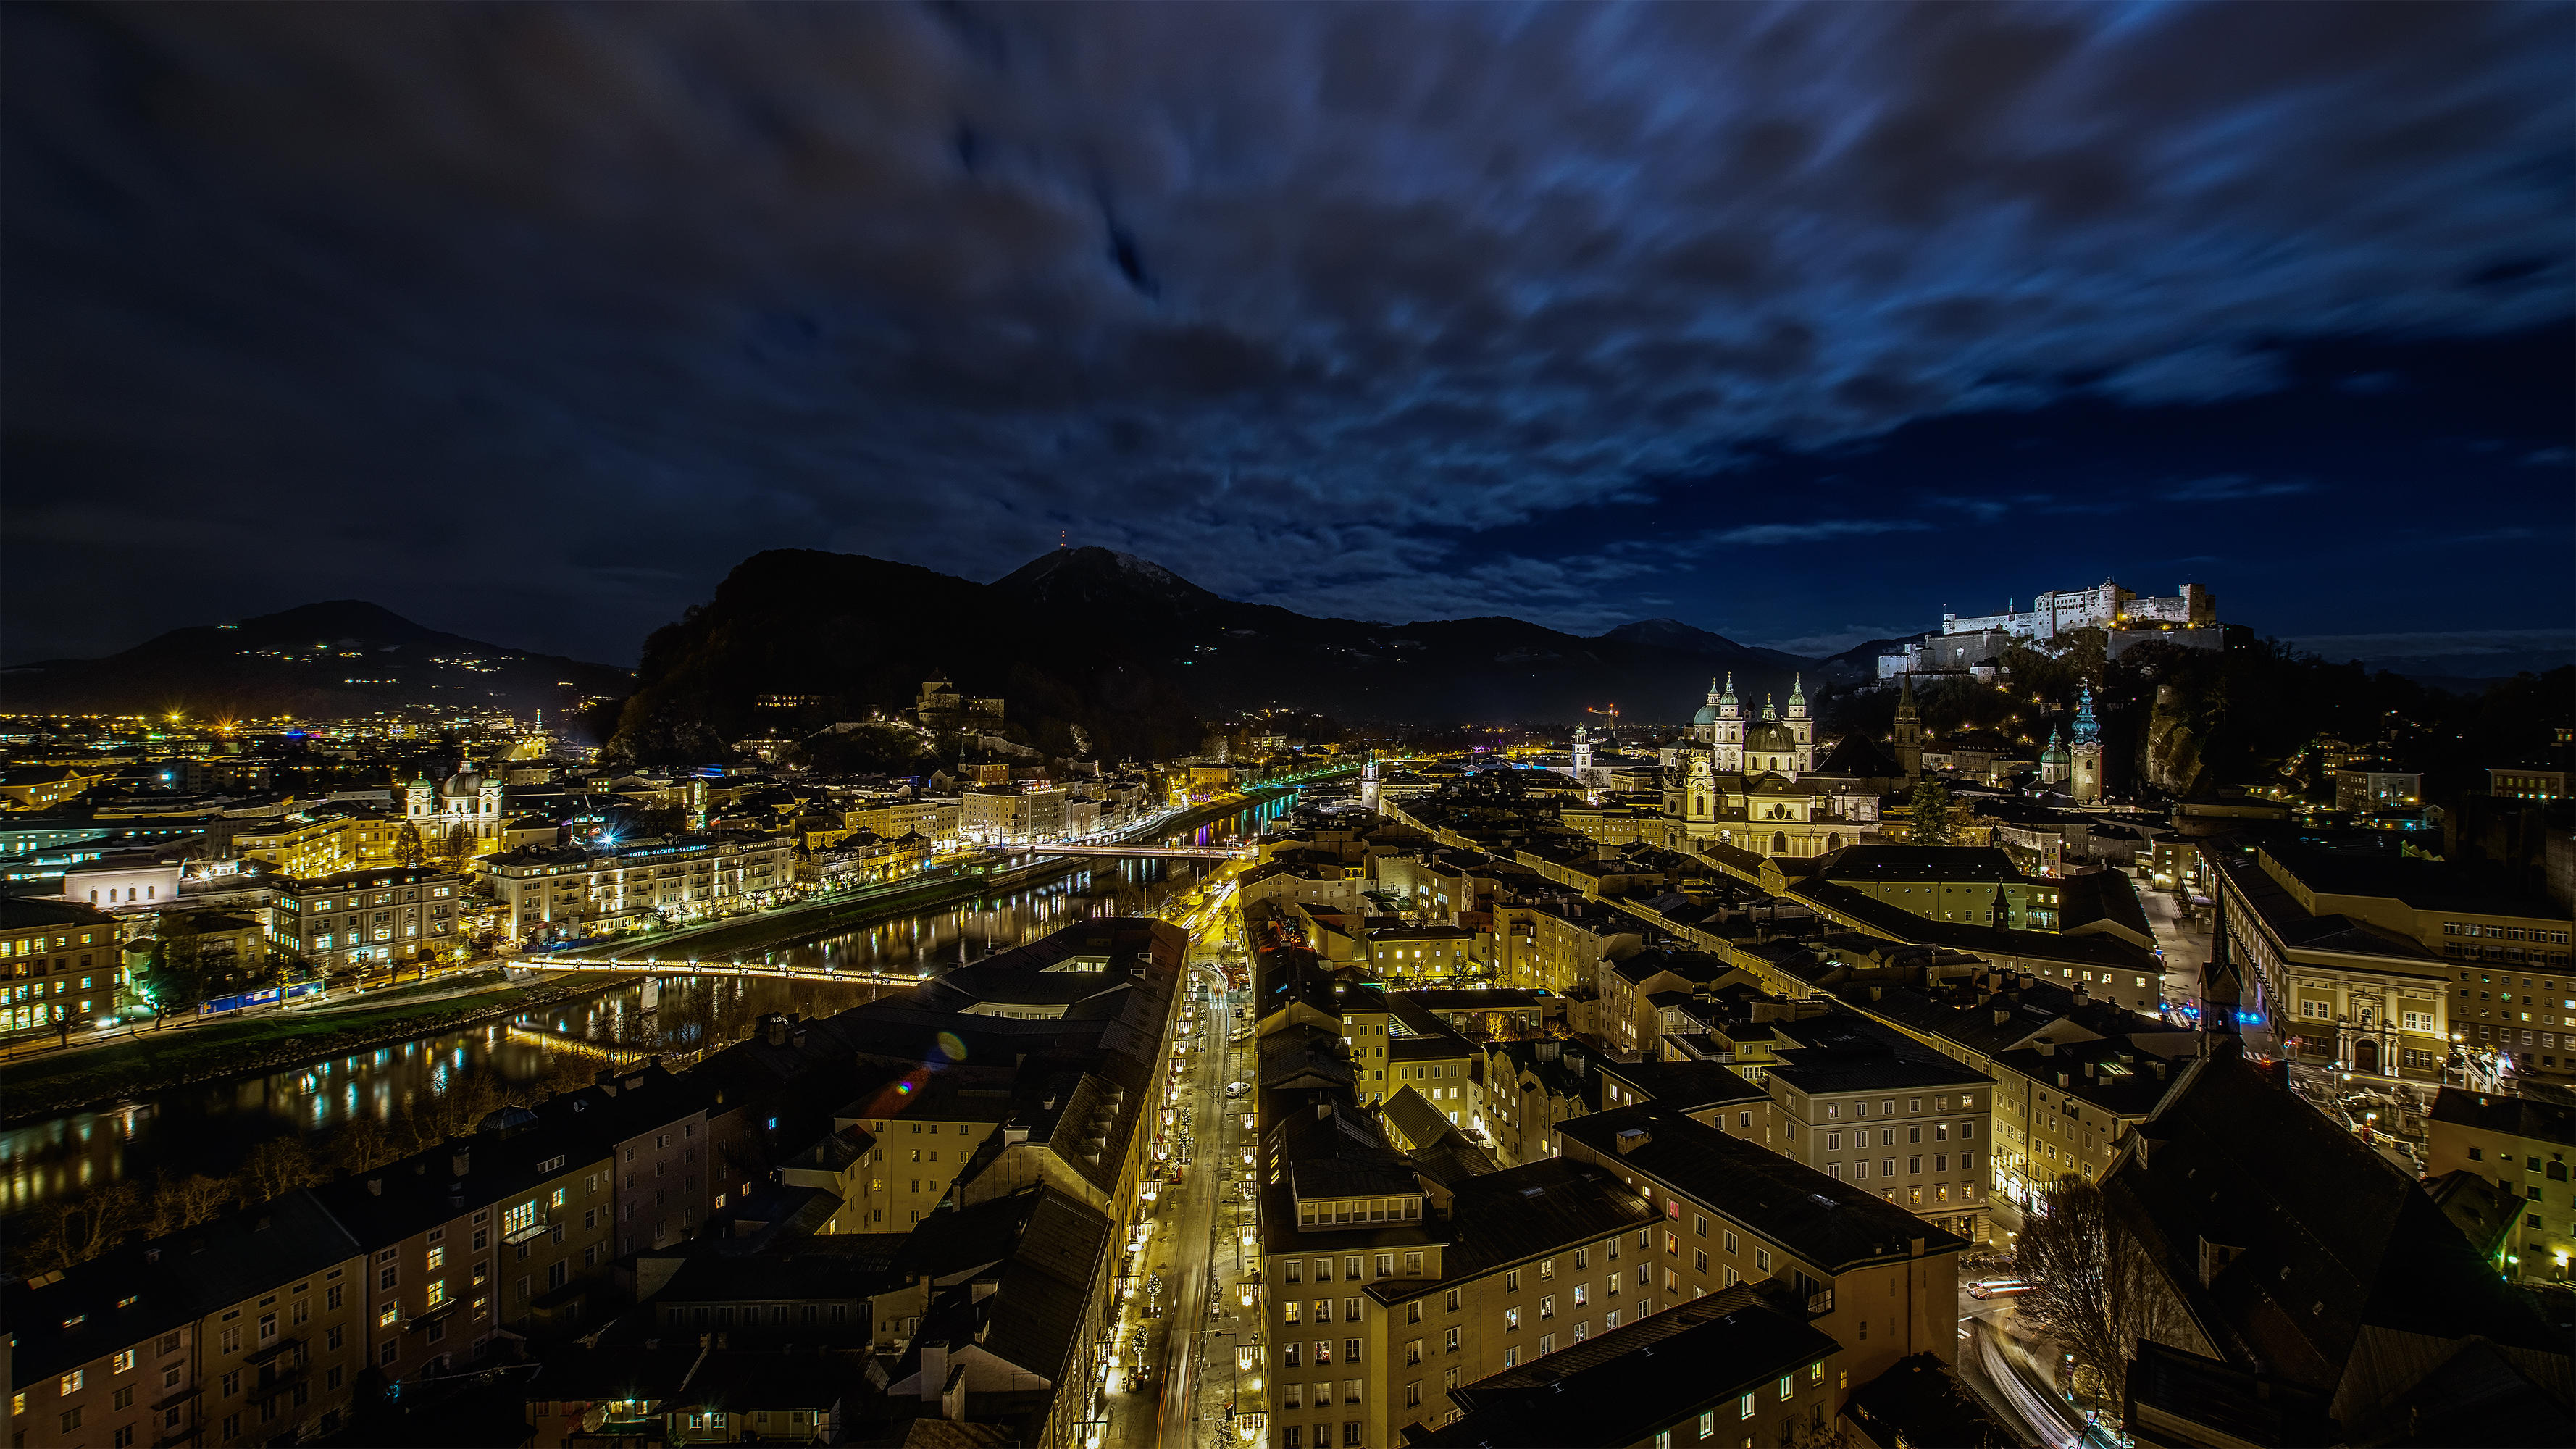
(1179, 1327)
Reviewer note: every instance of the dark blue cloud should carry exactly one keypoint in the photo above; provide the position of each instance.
(531, 319)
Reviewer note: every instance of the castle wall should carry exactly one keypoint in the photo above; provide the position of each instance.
(2054, 613)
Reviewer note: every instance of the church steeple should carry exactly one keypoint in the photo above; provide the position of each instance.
(2087, 729)
(1727, 705)
(1797, 696)
(1908, 737)
(1770, 711)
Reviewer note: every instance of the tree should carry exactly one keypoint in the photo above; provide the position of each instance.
(66, 1231)
(172, 978)
(1931, 812)
(277, 1167)
(187, 1201)
(2100, 1291)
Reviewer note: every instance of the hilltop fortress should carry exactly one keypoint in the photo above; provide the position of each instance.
(1972, 643)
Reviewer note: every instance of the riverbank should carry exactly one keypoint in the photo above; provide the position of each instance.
(150, 1062)
(105, 1073)
(795, 925)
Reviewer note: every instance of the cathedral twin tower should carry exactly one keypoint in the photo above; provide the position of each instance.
(1771, 744)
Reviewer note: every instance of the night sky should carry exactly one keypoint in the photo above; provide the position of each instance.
(1802, 325)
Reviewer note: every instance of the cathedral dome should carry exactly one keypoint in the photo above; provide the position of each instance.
(463, 782)
(1707, 715)
(1767, 736)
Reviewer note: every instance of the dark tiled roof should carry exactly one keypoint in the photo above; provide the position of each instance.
(2423, 884)
(2516, 1116)
(1621, 1387)
(1534, 1209)
(1686, 1086)
(1919, 863)
(1920, 1400)
(2334, 1239)
(1900, 924)
(1821, 1219)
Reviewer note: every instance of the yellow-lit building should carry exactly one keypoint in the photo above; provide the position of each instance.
(323, 842)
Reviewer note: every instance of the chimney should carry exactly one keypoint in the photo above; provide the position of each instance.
(2046, 1047)
(461, 1161)
(606, 1081)
(934, 1369)
(1323, 1111)
(1632, 1138)
(2065, 1079)
(375, 1187)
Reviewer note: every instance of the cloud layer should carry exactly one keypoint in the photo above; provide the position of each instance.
(549, 314)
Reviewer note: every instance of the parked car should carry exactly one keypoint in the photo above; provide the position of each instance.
(1985, 1288)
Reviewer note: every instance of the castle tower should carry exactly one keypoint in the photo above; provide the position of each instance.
(1909, 731)
(1582, 749)
(2084, 762)
(1728, 731)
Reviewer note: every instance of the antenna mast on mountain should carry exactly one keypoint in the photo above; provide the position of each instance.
(1060, 540)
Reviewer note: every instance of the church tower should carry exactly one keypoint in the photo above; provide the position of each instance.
(2053, 761)
(1368, 781)
(1802, 730)
(2085, 755)
(1909, 731)
(1582, 749)
(1699, 798)
(1728, 730)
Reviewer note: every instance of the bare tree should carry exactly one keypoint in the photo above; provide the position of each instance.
(73, 1230)
(277, 1167)
(184, 1202)
(2100, 1291)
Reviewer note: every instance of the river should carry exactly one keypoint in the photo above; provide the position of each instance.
(208, 1128)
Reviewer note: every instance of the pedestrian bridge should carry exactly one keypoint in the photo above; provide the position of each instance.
(1165, 852)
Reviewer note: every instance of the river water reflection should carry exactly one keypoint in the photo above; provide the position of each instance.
(208, 1128)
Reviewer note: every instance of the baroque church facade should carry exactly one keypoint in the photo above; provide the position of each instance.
(460, 815)
(1755, 783)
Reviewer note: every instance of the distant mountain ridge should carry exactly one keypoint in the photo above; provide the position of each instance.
(333, 659)
(1132, 652)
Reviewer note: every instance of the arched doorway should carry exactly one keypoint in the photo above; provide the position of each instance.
(1834, 841)
(1779, 842)
(2365, 1055)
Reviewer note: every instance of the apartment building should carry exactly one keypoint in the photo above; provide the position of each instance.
(2523, 1144)
(2387, 967)
(57, 959)
(1378, 1300)
(933, 819)
(326, 841)
(1561, 946)
(1636, 990)
(1007, 814)
(908, 1163)
(1430, 955)
(556, 892)
(364, 918)
(1879, 1280)
(1760, 1375)
(242, 1330)
(1916, 1129)
(508, 1229)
